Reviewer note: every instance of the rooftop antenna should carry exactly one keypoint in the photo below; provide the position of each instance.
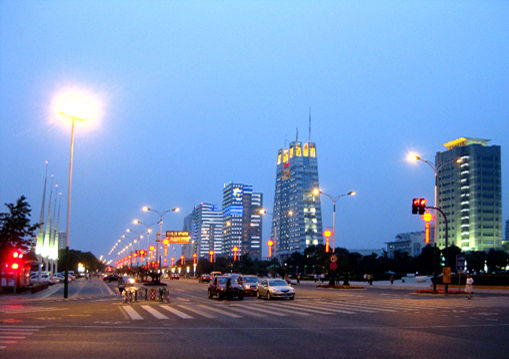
(285, 141)
(309, 124)
(297, 137)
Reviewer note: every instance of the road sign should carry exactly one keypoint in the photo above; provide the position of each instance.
(333, 258)
(460, 263)
(333, 266)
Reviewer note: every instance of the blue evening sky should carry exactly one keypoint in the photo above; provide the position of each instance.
(190, 95)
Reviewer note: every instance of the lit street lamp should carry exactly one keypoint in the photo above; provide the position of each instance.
(161, 215)
(316, 191)
(75, 111)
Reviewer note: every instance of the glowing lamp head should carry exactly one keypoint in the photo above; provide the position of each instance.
(412, 157)
(427, 217)
(316, 191)
(327, 233)
(270, 242)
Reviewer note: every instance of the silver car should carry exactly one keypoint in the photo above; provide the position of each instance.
(275, 288)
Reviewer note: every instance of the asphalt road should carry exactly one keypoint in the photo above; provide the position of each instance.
(378, 322)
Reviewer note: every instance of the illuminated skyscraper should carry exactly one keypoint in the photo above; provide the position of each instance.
(297, 214)
(242, 220)
(470, 194)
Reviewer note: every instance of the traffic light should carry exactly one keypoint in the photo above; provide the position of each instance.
(422, 206)
(415, 206)
(16, 260)
(419, 206)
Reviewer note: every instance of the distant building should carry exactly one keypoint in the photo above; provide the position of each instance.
(205, 227)
(411, 243)
(242, 221)
(297, 214)
(470, 194)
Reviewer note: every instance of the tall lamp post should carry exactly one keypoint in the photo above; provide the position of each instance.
(334, 199)
(72, 113)
(161, 215)
(414, 158)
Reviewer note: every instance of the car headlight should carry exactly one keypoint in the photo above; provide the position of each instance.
(275, 290)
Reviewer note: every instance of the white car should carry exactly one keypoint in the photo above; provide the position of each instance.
(275, 288)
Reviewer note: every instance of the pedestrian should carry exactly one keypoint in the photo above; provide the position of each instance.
(120, 285)
(365, 277)
(392, 279)
(469, 287)
(229, 291)
(315, 277)
(322, 277)
(298, 278)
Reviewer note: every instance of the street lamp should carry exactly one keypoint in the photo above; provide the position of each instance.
(76, 111)
(334, 199)
(161, 215)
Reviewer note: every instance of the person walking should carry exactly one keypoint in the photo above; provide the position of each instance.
(229, 291)
(392, 279)
(120, 286)
(469, 287)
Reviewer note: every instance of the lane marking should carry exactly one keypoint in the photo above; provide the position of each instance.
(176, 312)
(154, 312)
(220, 311)
(132, 313)
(198, 311)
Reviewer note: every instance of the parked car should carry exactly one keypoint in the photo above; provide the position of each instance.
(204, 278)
(249, 283)
(275, 288)
(175, 276)
(217, 287)
(111, 277)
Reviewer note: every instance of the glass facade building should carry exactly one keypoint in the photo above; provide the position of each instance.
(297, 214)
(470, 194)
(205, 227)
(242, 224)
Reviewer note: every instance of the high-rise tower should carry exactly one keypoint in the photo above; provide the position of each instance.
(297, 214)
(470, 194)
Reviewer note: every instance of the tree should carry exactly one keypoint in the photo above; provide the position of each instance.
(15, 229)
(496, 260)
(476, 260)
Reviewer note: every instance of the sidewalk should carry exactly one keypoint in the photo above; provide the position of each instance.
(411, 283)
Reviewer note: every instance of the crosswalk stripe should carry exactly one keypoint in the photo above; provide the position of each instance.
(132, 313)
(369, 306)
(8, 341)
(246, 311)
(221, 311)
(335, 309)
(154, 312)
(265, 310)
(307, 309)
(291, 311)
(176, 312)
(2, 337)
(198, 311)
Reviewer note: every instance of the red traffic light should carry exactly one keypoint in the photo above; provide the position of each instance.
(418, 205)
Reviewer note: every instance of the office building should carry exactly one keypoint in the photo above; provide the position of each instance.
(470, 194)
(411, 243)
(297, 215)
(205, 227)
(242, 221)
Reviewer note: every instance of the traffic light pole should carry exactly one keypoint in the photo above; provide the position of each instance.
(446, 250)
